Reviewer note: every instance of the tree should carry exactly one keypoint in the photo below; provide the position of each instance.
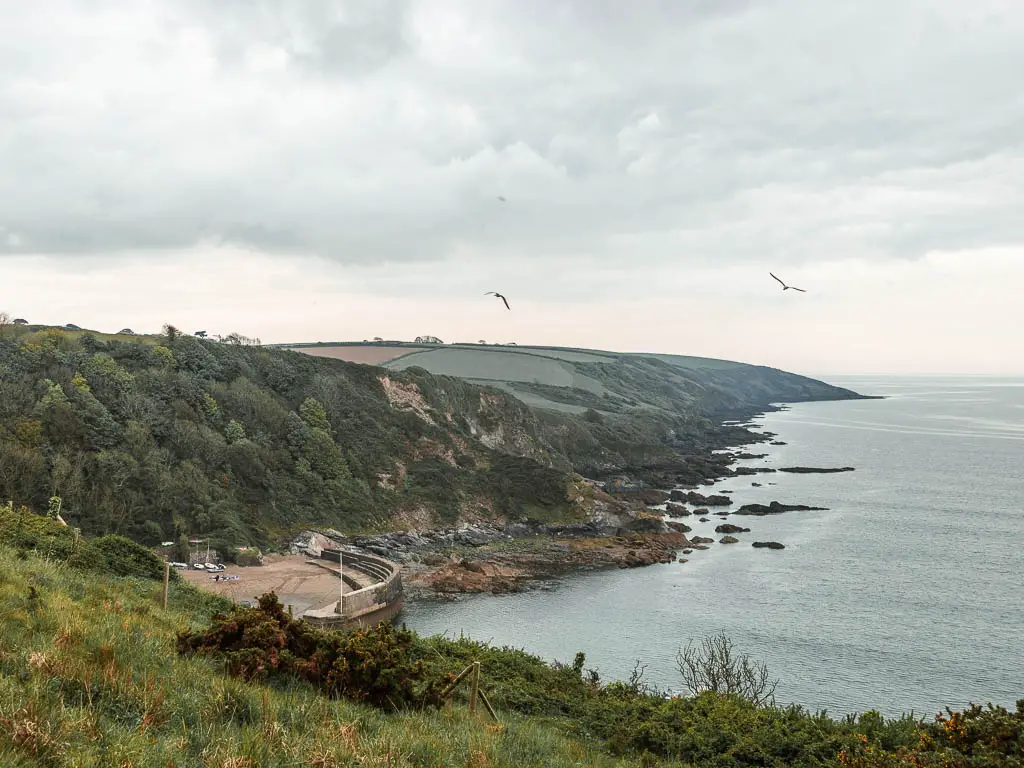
(313, 413)
(234, 431)
(5, 322)
(713, 665)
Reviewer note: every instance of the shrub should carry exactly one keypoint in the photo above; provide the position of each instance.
(713, 665)
(374, 666)
(249, 557)
(118, 556)
(978, 737)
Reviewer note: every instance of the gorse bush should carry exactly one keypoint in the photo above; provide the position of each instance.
(977, 737)
(375, 666)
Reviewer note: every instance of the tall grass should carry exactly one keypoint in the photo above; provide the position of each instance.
(89, 676)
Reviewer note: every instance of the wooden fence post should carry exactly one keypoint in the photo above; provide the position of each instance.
(487, 704)
(476, 687)
(167, 578)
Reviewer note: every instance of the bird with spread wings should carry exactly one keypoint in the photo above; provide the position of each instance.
(498, 295)
(788, 287)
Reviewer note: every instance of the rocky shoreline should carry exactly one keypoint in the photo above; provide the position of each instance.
(620, 529)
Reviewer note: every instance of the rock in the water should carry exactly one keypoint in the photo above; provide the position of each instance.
(728, 540)
(702, 511)
(756, 485)
(730, 528)
(777, 442)
(681, 527)
(817, 470)
(687, 551)
(682, 560)
(676, 495)
(676, 510)
(775, 508)
(704, 520)
(697, 540)
(711, 501)
(768, 545)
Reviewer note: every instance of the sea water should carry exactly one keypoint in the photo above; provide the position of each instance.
(906, 595)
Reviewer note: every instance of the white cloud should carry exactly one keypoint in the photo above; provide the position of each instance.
(642, 148)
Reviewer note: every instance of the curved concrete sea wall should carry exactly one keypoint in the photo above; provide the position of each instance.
(366, 606)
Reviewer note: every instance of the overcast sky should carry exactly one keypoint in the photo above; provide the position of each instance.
(304, 171)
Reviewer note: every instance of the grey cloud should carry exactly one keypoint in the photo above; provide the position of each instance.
(377, 132)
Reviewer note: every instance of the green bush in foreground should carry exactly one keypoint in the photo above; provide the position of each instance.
(373, 666)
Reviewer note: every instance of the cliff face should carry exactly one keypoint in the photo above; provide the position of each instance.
(242, 444)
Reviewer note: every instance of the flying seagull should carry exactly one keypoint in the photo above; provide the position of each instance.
(495, 293)
(501, 198)
(787, 287)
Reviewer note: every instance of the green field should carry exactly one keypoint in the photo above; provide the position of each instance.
(489, 364)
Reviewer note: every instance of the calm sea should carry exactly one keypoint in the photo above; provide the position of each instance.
(907, 595)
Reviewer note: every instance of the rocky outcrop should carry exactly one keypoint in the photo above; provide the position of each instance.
(649, 496)
(768, 545)
(730, 528)
(466, 576)
(497, 569)
(679, 527)
(676, 510)
(775, 508)
(647, 524)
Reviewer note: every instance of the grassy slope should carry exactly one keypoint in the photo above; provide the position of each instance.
(89, 677)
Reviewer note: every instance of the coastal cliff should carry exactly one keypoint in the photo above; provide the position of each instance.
(158, 437)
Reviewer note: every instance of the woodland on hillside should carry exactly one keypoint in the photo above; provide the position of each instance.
(241, 443)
